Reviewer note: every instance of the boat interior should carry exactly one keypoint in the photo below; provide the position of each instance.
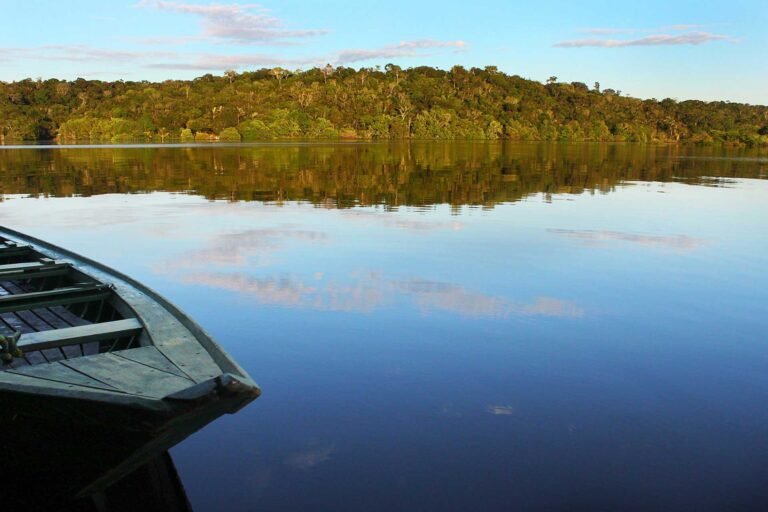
(50, 311)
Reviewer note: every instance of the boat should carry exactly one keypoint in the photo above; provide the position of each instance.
(85, 346)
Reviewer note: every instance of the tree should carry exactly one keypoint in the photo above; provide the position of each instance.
(230, 135)
(327, 71)
(393, 69)
(280, 74)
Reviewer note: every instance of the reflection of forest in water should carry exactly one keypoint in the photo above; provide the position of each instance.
(343, 175)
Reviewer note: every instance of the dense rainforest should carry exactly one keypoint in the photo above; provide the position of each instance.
(369, 103)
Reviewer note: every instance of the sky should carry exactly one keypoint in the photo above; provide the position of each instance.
(708, 50)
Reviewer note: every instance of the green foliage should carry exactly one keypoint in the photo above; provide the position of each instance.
(284, 124)
(254, 129)
(230, 135)
(321, 129)
(416, 103)
(187, 135)
(115, 130)
(379, 125)
(204, 137)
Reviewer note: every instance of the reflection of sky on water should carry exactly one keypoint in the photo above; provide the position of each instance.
(239, 249)
(607, 351)
(311, 457)
(373, 291)
(594, 237)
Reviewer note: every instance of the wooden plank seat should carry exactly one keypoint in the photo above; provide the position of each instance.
(57, 297)
(14, 250)
(42, 319)
(53, 318)
(27, 265)
(38, 272)
(72, 342)
(69, 336)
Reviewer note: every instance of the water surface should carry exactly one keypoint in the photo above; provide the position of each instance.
(448, 327)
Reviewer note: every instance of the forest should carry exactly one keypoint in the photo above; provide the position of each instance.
(421, 103)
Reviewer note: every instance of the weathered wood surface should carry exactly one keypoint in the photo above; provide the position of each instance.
(56, 316)
(57, 372)
(79, 335)
(57, 322)
(175, 342)
(43, 319)
(57, 269)
(56, 297)
(34, 385)
(102, 372)
(153, 358)
(15, 267)
(17, 250)
(129, 376)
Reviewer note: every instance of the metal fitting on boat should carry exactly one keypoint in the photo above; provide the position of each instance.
(9, 347)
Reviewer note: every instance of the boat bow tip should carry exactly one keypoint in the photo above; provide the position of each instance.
(224, 387)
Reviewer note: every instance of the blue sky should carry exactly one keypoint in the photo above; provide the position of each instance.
(681, 49)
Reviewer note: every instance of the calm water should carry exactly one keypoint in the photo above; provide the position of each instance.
(448, 327)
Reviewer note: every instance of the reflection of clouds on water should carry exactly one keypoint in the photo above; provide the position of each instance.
(596, 237)
(449, 411)
(457, 299)
(372, 290)
(390, 220)
(62, 213)
(238, 248)
(500, 410)
(311, 457)
(294, 292)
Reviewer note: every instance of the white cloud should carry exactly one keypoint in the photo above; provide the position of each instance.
(221, 62)
(235, 23)
(207, 62)
(403, 49)
(690, 38)
(614, 30)
(608, 31)
(81, 53)
(684, 27)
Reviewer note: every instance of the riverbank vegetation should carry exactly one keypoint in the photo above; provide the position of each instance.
(388, 103)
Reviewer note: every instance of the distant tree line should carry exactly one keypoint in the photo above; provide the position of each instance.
(369, 103)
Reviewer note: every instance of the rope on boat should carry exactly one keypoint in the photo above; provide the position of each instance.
(9, 347)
